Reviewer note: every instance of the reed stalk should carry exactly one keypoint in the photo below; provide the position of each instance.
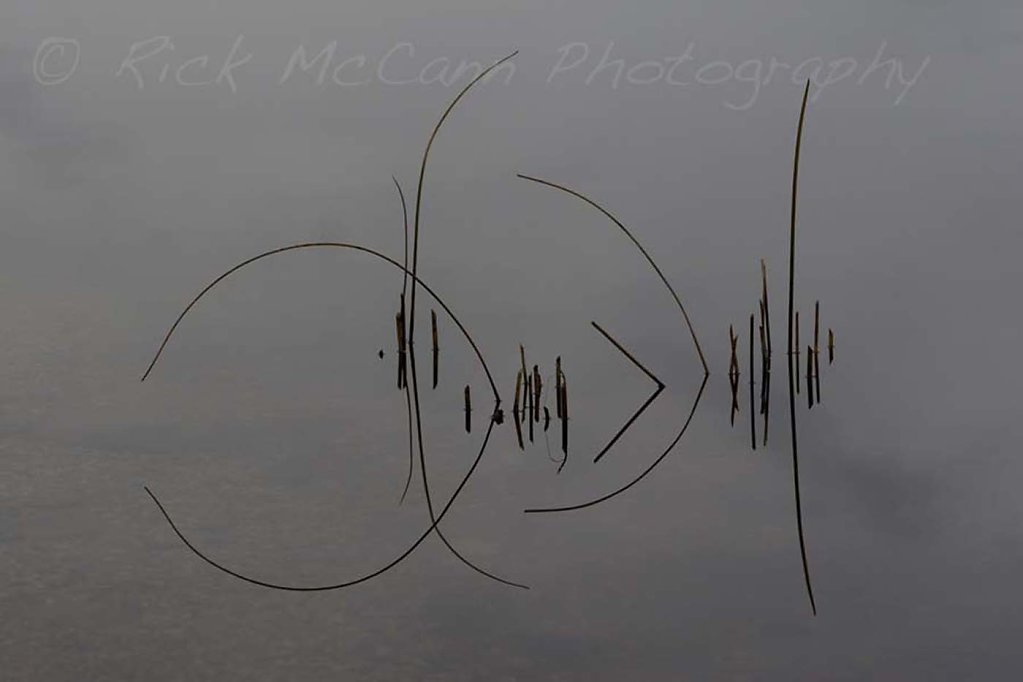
(792, 398)
(752, 411)
(816, 351)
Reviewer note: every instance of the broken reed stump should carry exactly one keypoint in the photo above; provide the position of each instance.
(546, 418)
(529, 405)
(763, 361)
(564, 417)
(767, 308)
(525, 381)
(537, 387)
(765, 388)
(468, 410)
(752, 412)
(399, 324)
(809, 376)
(831, 346)
(557, 386)
(516, 409)
(436, 347)
(816, 351)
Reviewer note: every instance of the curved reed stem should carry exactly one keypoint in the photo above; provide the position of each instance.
(685, 316)
(639, 246)
(435, 519)
(792, 397)
(404, 286)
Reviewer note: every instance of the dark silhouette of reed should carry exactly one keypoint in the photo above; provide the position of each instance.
(468, 410)
(412, 320)
(831, 346)
(401, 334)
(516, 409)
(436, 346)
(564, 421)
(791, 326)
(685, 315)
(402, 345)
(752, 411)
(525, 382)
(765, 388)
(733, 373)
(537, 390)
(809, 377)
(529, 405)
(763, 356)
(816, 351)
(557, 386)
(797, 352)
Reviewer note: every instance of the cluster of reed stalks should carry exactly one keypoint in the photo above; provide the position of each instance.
(812, 377)
(528, 405)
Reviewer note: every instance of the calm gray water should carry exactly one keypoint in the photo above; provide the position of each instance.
(277, 440)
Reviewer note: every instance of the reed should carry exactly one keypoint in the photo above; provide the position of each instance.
(412, 320)
(642, 408)
(557, 386)
(752, 412)
(564, 418)
(765, 388)
(816, 351)
(529, 405)
(404, 288)
(763, 360)
(809, 376)
(516, 409)
(792, 398)
(537, 390)
(436, 346)
(468, 410)
(733, 373)
(650, 260)
(399, 321)
(767, 308)
(546, 419)
(797, 349)
(525, 385)
(831, 346)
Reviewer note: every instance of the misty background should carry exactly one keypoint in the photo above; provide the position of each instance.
(277, 440)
